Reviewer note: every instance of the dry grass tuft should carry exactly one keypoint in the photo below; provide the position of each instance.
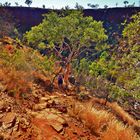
(119, 111)
(15, 83)
(117, 131)
(103, 124)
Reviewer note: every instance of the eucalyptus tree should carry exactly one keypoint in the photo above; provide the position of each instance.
(66, 35)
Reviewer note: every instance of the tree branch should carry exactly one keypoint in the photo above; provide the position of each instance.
(58, 52)
(68, 46)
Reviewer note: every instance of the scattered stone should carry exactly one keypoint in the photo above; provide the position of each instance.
(44, 99)
(61, 120)
(2, 107)
(9, 120)
(8, 109)
(40, 106)
(57, 126)
(52, 116)
(34, 94)
(16, 127)
(24, 123)
(62, 109)
(50, 101)
(55, 138)
(1, 116)
(2, 87)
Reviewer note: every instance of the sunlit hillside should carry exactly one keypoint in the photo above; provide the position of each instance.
(69, 77)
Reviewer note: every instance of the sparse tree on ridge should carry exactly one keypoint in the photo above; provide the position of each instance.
(16, 3)
(28, 2)
(67, 7)
(7, 4)
(131, 5)
(94, 6)
(105, 6)
(43, 6)
(79, 7)
(125, 2)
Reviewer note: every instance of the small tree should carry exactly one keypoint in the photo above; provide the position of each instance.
(125, 2)
(105, 6)
(16, 3)
(79, 7)
(93, 6)
(67, 36)
(28, 2)
(43, 6)
(131, 5)
(7, 4)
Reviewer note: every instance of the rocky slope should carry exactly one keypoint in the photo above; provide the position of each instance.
(29, 110)
(56, 116)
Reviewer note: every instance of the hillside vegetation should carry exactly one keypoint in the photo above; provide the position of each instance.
(100, 95)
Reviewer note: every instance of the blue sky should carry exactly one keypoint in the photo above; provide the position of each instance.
(62, 3)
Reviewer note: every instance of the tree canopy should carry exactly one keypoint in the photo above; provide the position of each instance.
(28, 2)
(71, 32)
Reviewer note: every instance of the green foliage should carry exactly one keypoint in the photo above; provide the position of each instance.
(26, 60)
(42, 46)
(82, 67)
(128, 73)
(101, 66)
(132, 30)
(79, 7)
(73, 30)
(81, 70)
(115, 72)
(42, 63)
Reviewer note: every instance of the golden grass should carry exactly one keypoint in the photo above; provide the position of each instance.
(15, 82)
(117, 131)
(102, 123)
(119, 111)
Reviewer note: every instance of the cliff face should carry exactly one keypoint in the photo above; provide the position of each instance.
(28, 17)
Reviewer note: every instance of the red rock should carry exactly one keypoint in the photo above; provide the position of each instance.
(40, 106)
(9, 120)
(46, 132)
(57, 126)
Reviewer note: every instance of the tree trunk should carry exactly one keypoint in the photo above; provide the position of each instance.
(66, 74)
